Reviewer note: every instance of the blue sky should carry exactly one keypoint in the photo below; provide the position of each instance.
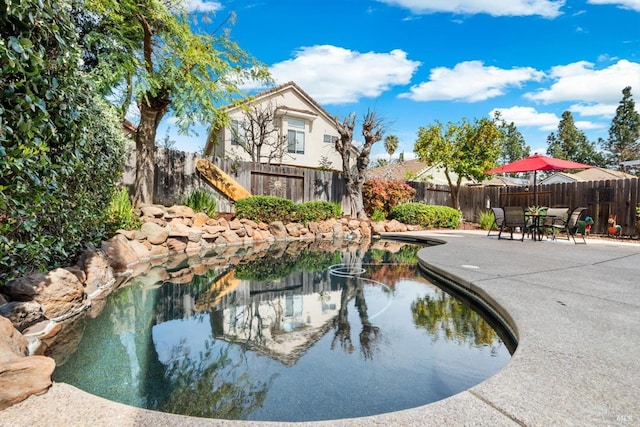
(418, 61)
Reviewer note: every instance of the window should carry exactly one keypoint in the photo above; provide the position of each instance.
(331, 139)
(295, 137)
(237, 133)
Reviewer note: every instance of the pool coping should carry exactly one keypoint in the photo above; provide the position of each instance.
(562, 301)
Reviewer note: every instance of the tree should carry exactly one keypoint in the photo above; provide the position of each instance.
(513, 146)
(157, 59)
(391, 145)
(380, 162)
(61, 146)
(570, 143)
(259, 137)
(355, 174)
(464, 150)
(624, 134)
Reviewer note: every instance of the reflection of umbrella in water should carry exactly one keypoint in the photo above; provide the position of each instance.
(536, 163)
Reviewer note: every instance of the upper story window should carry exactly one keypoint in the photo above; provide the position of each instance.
(237, 133)
(331, 139)
(295, 136)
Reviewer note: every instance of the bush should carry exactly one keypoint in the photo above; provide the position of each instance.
(382, 195)
(200, 200)
(426, 216)
(120, 214)
(61, 147)
(378, 215)
(265, 209)
(487, 220)
(316, 211)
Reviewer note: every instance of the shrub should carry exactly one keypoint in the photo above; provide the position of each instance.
(265, 209)
(382, 195)
(316, 211)
(378, 215)
(200, 200)
(120, 214)
(426, 216)
(61, 147)
(486, 220)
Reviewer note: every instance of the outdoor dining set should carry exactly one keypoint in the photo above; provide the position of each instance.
(539, 222)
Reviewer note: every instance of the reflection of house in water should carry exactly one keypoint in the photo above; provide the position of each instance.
(280, 318)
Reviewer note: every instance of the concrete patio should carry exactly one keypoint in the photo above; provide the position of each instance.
(575, 310)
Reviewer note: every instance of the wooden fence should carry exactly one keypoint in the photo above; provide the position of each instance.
(176, 176)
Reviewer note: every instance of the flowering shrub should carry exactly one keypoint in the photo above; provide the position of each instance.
(427, 216)
(382, 195)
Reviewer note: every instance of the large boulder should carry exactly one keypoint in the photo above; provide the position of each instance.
(23, 377)
(12, 344)
(22, 313)
(121, 256)
(154, 233)
(278, 230)
(60, 293)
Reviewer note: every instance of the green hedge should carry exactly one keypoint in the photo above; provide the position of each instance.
(426, 216)
(61, 148)
(272, 208)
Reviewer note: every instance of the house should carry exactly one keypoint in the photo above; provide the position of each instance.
(413, 170)
(282, 125)
(591, 174)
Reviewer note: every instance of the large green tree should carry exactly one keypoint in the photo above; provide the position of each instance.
(570, 143)
(513, 146)
(156, 57)
(624, 134)
(463, 150)
(61, 148)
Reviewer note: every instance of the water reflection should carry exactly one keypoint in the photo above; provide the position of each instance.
(243, 339)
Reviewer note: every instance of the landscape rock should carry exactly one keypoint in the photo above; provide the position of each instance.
(22, 314)
(119, 253)
(278, 230)
(152, 211)
(154, 233)
(23, 377)
(12, 344)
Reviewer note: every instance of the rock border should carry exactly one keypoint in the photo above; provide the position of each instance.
(32, 307)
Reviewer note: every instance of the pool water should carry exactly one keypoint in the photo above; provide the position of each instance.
(297, 335)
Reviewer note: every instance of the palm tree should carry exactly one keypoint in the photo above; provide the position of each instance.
(391, 145)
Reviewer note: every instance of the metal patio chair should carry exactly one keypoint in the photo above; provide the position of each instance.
(513, 220)
(571, 227)
(498, 219)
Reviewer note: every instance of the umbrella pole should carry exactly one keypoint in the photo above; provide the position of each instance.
(535, 189)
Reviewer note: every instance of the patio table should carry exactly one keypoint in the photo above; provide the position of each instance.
(537, 223)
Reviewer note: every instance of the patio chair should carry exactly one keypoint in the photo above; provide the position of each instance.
(498, 219)
(571, 226)
(513, 219)
(556, 220)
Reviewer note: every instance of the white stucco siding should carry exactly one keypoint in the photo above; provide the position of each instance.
(290, 105)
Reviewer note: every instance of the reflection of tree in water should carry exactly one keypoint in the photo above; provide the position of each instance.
(207, 387)
(444, 316)
(369, 335)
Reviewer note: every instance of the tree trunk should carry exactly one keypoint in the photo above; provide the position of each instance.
(151, 112)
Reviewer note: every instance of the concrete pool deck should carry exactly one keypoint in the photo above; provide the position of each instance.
(574, 308)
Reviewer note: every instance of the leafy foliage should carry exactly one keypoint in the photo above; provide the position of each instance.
(200, 200)
(426, 216)
(624, 134)
(464, 149)
(265, 209)
(317, 211)
(61, 149)
(486, 220)
(268, 268)
(570, 143)
(120, 214)
(272, 208)
(382, 195)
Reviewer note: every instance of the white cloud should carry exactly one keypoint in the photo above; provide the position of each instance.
(544, 8)
(470, 81)
(528, 117)
(623, 4)
(334, 75)
(202, 6)
(580, 82)
(600, 110)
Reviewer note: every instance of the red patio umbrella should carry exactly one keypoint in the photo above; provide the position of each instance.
(536, 163)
